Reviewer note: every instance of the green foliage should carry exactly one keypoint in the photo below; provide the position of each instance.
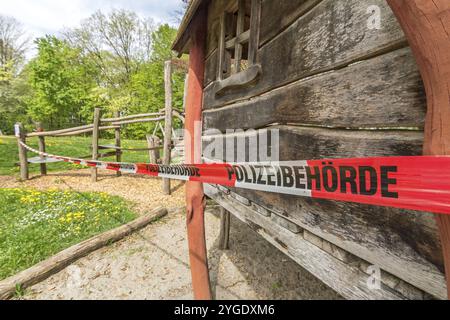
(147, 85)
(63, 84)
(114, 61)
(14, 89)
(15, 93)
(46, 222)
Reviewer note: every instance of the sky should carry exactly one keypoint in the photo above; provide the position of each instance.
(41, 17)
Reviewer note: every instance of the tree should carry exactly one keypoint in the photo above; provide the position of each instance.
(117, 43)
(147, 85)
(14, 97)
(14, 89)
(65, 92)
(13, 45)
(178, 14)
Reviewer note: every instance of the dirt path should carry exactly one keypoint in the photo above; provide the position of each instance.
(153, 263)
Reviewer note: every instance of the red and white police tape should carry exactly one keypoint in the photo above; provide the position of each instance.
(416, 183)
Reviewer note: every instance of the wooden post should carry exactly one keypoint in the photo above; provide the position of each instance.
(168, 122)
(153, 142)
(41, 141)
(224, 237)
(95, 137)
(426, 25)
(195, 197)
(118, 144)
(23, 159)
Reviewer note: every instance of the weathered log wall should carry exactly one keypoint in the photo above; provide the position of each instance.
(335, 89)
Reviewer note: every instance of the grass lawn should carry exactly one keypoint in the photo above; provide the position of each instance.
(66, 146)
(35, 225)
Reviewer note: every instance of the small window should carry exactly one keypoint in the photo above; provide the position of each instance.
(238, 44)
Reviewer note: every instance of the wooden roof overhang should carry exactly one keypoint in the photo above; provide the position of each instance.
(182, 41)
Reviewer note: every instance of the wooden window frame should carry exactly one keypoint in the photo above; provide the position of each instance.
(242, 78)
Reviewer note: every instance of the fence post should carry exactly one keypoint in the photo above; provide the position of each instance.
(168, 121)
(153, 142)
(23, 159)
(41, 142)
(95, 136)
(118, 143)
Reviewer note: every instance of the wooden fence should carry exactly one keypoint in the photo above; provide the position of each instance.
(116, 123)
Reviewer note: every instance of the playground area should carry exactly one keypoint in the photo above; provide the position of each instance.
(153, 263)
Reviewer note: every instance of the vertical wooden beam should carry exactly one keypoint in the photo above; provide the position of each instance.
(253, 44)
(41, 142)
(168, 122)
(221, 46)
(118, 143)
(95, 137)
(224, 236)
(195, 197)
(427, 26)
(23, 159)
(153, 142)
(240, 29)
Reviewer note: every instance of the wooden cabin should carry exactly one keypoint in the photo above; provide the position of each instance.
(336, 85)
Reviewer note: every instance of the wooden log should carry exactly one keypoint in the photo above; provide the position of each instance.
(426, 25)
(195, 198)
(45, 269)
(279, 15)
(111, 147)
(119, 123)
(75, 133)
(371, 94)
(23, 159)
(345, 278)
(60, 132)
(211, 67)
(118, 144)
(224, 236)
(168, 121)
(136, 116)
(154, 155)
(41, 141)
(306, 143)
(95, 137)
